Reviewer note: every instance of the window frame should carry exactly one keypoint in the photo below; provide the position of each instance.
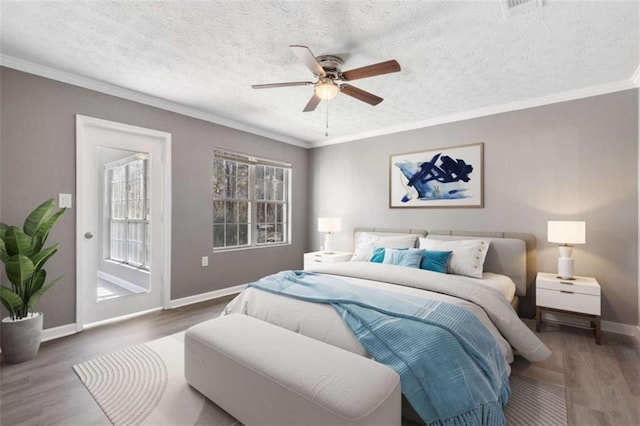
(253, 201)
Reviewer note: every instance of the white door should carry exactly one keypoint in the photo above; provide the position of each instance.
(123, 187)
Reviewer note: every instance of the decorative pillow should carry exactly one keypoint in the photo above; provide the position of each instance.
(366, 242)
(408, 257)
(377, 255)
(436, 261)
(467, 257)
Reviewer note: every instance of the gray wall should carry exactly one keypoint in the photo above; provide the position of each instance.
(574, 160)
(37, 145)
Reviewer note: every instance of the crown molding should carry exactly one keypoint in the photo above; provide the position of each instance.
(131, 95)
(483, 112)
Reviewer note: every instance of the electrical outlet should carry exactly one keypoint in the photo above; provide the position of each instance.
(205, 261)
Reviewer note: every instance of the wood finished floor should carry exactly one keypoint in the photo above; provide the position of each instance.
(602, 383)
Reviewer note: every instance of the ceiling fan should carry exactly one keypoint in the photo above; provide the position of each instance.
(331, 78)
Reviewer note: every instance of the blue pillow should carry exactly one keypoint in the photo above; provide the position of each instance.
(435, 261)
(408, 257)
(377, 255)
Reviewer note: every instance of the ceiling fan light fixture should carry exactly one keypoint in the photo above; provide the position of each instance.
(327, 90)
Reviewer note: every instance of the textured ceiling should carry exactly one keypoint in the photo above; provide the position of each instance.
(455, 56)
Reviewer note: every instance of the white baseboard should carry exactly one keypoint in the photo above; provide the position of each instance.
(189, 300)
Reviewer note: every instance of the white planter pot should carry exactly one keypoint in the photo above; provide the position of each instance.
(21, 338)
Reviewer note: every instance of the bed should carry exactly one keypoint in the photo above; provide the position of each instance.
(491, 296)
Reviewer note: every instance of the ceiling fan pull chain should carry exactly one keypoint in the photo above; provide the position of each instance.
(326, 129)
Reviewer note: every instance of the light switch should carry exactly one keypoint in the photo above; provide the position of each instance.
(64, 201)
(205, 261)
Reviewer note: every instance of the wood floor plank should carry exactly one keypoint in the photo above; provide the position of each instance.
(600, 382)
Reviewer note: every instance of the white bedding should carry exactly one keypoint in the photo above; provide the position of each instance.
(498, 282)
(488, 302)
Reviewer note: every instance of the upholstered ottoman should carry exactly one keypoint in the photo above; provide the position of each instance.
(266, 375)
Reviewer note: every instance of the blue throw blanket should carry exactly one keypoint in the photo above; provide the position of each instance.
(451, 368)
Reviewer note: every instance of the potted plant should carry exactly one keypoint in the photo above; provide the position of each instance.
(23, 253)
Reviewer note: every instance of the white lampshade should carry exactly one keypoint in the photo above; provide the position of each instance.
(329, 224)
(566, 232)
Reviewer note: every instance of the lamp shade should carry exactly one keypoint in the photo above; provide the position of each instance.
(566, 232)
(329, 224)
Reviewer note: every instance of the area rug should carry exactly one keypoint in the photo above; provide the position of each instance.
(145, 385)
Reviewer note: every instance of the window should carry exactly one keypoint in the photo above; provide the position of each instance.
(127, 195)
(251, 201)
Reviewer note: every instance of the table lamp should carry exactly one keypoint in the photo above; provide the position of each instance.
(329, 225)
(566, 233)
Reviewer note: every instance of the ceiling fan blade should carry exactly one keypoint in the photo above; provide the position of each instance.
(313, 103)
(307, 58)
(360, 94)
(271, 85)
(372, 70)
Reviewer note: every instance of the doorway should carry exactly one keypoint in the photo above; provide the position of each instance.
(123, 185)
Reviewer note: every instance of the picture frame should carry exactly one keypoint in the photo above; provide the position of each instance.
(442, 177)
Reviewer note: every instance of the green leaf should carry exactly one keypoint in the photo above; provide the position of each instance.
(17, 242)
(40, 258)
(11, 301)
(38, 217)
(3, 230)
(42, 233)
(31, 303)
(19, 269)
(36, 282)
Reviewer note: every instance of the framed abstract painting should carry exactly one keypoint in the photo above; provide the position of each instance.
(444, 177)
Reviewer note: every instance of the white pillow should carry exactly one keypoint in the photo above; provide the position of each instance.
(467, 257)
(366, 242)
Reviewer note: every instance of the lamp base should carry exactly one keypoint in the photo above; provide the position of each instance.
(328, 244)
(565, 268)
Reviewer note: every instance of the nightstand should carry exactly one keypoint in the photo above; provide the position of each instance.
(322, 257)
(579, 297)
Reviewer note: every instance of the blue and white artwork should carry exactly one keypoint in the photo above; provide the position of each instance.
(447, 177)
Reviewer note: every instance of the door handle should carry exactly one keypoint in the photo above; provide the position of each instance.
(88, 235)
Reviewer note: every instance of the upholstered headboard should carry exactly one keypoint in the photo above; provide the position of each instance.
(388, 232)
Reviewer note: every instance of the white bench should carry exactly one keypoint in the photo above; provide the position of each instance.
(263, 375)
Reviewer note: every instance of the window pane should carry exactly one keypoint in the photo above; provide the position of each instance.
(259, 189)
(218, 235)
(278, 235)
(117, 246)
(271, 213)
(260, 212)
(135, 246)
(231, 187)
(243, 181)
(232, 212)
(232, 235)
(243, 234)
(218, 211)
(218, 179)
(243, 212)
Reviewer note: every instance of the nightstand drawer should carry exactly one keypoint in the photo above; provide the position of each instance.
(568, 301)
(579, 285)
